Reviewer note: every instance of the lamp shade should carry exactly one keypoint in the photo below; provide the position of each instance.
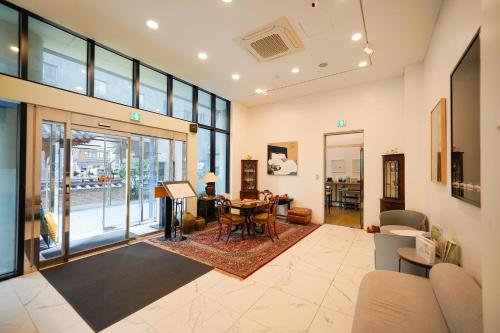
(209, 177)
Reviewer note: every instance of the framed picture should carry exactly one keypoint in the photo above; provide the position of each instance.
(282, 158)
(338, 166)
(438, 142)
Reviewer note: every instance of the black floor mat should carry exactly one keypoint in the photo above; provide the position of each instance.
(108, 287)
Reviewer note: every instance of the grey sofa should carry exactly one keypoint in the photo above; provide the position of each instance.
(403, 219)
(448, 302)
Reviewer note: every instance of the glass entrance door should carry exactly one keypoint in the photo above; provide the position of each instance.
(99, 206)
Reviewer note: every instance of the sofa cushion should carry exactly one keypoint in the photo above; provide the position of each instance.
(459, 297)
(387, 229)
(396, 302)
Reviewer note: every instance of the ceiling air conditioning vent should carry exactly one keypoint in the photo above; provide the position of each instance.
(272, 41)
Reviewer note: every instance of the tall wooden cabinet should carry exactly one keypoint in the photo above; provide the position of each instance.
(393, 166)
(249, 189)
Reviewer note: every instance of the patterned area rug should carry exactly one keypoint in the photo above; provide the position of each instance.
(237, 257)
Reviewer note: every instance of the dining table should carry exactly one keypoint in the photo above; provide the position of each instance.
(247, 207)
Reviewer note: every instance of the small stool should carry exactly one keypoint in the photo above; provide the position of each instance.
(299, 215)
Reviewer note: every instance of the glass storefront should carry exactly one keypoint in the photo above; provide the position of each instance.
(9, 172)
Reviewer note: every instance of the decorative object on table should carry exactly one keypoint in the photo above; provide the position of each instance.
(177, 192)
(393, 186)
(338, 166)
(426, 248)
(465, 130)
(210, 179)
(248, 157)
(438, 142)
(392, 151)
(249, 179)
(238, 257)
(188, 223)
(199, 223)
(299, 215)
(282, 158)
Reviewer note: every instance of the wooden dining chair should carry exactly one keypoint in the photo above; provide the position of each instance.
(267, 218)
(226, 218)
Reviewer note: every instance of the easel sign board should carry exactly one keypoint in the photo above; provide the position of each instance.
(179, 190)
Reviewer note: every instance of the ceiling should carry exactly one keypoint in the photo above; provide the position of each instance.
(398, 30)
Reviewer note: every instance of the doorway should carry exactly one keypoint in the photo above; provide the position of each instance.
(96, 185)
(344, 176)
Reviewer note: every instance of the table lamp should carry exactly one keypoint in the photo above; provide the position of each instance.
(210, 178)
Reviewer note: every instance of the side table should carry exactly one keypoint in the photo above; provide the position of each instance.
(410, 255)
(206, 208)
(284, 201)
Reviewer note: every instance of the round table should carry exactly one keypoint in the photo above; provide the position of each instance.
(409, 254)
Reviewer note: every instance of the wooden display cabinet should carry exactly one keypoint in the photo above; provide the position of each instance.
(249, 188)
(393, 167)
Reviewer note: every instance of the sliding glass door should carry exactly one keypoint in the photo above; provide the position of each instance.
(150, 164)
(9, 169)
(98, 190)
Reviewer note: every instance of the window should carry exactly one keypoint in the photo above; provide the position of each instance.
(203, 166)
(9, 170)
(182, 101)
(56, 58)
(204, 108)
(221, 145)
(153, 90)
(180, 160)
(115, 72)
(9, 40)
(221, 114)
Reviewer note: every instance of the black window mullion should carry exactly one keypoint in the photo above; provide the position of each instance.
(90, 67)
(136, 84)
(212, 109)
(23, 45)
(195, 104)
(228, 155)
(170, 97)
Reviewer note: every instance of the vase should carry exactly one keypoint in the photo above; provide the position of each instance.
(199, 223)
(188, 221)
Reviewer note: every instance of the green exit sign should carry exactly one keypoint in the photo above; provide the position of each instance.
(341, 123)
(135, 116)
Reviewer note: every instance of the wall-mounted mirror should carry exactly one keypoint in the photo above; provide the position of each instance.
(465, 135)
(438, 142)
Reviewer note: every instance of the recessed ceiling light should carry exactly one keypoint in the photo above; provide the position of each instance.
(259, 91)
(356, 36)
(202, 56)
(323, 64)
(235, 76)
(295, 70)
(14, 48)
(152, 24)
(362, 64)
(227, 1)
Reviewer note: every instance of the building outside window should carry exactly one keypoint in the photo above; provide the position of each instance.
(56, 58)
(9, 40)
(116, 72)
(182, 107)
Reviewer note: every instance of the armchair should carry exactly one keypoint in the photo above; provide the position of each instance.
(403, 219)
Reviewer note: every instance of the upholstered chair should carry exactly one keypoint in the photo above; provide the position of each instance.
(228, 219)
(267, 218)
(403, 219)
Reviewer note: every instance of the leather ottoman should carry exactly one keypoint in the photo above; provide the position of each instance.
(299, 215)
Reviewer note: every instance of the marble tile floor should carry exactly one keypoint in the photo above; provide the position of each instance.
(312, 287)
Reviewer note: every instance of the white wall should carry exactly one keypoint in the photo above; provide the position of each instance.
(490, 162)
(347, 154)
(376, 108)
(457, 24)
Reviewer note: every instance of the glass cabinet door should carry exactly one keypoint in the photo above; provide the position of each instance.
(391, 170)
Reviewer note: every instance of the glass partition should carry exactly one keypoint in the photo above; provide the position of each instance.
(221, 144)
(180, 160)
(56, 57)
(9, 168)
(203, 165)
(204, 108)
(9, 40)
